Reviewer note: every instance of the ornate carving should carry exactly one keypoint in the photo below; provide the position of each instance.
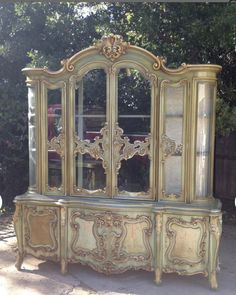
(45, 246)
(124, 150)
(112, 46)
(182, 259)
(183, 272)
(97, 149)
(110, 232)
(57, 143)
(169, 147)
(215, 230)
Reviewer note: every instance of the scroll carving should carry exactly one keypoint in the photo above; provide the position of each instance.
(110, 232)
(96, 149)
(169, 147)
(177, 257)
(112, 46)
(124, 150)
(58, 143)
(44, 241)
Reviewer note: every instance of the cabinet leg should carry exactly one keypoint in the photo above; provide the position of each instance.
(64, 268)
(213, 280)
(158, 274)
(19, 260)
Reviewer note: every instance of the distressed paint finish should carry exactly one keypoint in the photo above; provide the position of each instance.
(111, 230)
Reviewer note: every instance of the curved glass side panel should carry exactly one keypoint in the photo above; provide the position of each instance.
(91, 134)
(172, 139)
(32, 138)
(205, 96)
(132, 134)
(55, 139)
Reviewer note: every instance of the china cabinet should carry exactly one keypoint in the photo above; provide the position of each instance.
(121, 164)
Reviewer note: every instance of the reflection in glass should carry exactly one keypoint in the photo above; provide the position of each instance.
(204, 138)
(90, 118)
(54, 130)
(89, 173)
(173, 128)
(32, 137)
(134, 109)
(134, 175)
(54, 113)
(54, 169)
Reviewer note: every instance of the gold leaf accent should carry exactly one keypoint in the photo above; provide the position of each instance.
(58, 144)
(169, 147)
(124, 150)
(97, 149)
(112, 46)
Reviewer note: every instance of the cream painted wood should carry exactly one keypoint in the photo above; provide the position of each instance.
(171, 222)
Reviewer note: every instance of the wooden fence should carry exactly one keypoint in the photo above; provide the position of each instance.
(225, 167)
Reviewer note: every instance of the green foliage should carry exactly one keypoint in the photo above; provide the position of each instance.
(44, 33)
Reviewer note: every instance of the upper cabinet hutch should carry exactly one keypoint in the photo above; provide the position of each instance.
(121, 164)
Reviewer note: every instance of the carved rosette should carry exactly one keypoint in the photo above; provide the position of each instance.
(110, 232)
(124, 150)
(174, 225)
(112, 46)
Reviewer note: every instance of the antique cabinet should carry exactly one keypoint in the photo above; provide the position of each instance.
(121, 164)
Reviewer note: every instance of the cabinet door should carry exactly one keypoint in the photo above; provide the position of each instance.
(111, 242)
(172, 140)
(91, 137)
(41, 231)
(185, 244)
(53, 138)
(132, 135)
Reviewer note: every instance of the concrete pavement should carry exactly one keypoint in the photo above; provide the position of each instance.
(39, 277)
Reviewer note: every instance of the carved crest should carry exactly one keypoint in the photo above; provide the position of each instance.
(112, 46)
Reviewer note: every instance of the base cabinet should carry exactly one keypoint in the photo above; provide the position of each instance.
(112, 240)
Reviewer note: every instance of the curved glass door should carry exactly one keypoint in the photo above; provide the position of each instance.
(132, 134)
(90, 134)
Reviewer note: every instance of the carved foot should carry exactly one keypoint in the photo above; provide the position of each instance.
(158, 274)
(19, 260)
(64, 268)
(213, 280)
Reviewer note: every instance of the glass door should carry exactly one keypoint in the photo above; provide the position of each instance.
(131, 135)
(91, 136)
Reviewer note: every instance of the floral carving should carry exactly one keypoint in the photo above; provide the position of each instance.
(112, 46)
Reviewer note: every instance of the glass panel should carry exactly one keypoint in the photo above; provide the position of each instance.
(89, 173)
(204, 139)
(90, 104)
(54, 130)
(134, 109)
(173, 175)
(173, 129)
(134, 175)
(54, 169)
(90, 118)
(32, 137)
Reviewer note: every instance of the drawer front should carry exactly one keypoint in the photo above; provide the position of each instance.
(110, 242)
(185, 244)
(41, 231)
